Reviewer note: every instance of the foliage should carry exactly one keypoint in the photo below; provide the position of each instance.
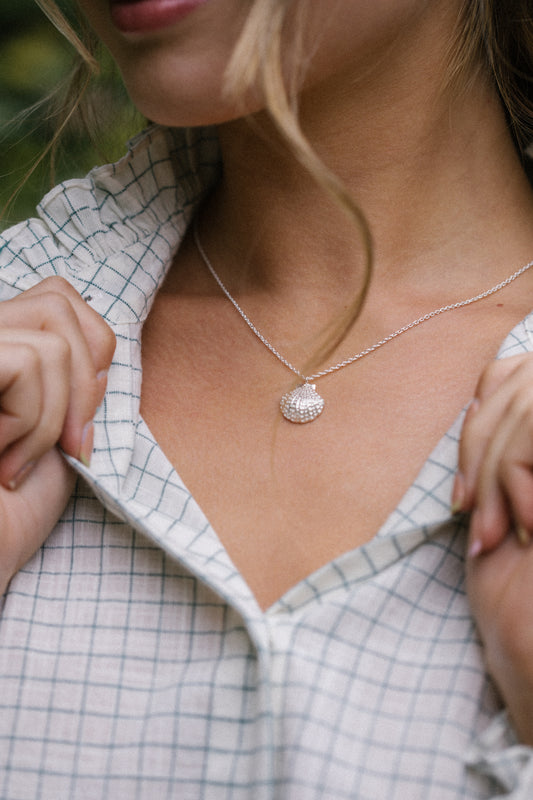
(34, 61)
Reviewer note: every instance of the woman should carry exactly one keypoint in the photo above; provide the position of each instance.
(320, 643)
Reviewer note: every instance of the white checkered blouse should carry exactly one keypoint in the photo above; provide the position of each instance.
(134, 661)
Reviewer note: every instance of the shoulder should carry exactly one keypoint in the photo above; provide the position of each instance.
(109, 222)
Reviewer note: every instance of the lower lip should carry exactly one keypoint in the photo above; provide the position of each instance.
(139, 16)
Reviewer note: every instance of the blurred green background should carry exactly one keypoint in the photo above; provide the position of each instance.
(34, 60)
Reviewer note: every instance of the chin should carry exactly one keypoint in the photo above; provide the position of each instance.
(185, 113)
(182, 103)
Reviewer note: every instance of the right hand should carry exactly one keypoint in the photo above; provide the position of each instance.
(54, 355)
(495, 476)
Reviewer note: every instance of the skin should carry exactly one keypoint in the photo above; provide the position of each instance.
(55, 352)
(438, 178)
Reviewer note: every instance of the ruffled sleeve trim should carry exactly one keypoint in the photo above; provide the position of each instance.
(498, 756)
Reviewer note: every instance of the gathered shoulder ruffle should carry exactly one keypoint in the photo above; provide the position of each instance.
(123, 222)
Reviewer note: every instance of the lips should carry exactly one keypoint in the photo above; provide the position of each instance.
(140, 16)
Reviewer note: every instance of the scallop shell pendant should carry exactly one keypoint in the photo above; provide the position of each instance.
(303, 404)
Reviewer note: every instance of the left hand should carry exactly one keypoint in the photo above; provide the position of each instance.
(495, 483)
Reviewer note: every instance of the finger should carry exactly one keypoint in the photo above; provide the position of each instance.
(33, 399)
(495, 393)
(516, 463)
(497, 373)
(503, 490)
(97, 333)
(489, 525)
(20, 391)
(472, 448)
(518, 485)
(87, 387)
(54, 312)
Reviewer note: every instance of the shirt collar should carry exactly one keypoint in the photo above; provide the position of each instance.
(117, 230)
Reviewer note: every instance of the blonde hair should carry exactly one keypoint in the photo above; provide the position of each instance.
(491, 35)
(66, 103)
(257, 62)
(495, 35)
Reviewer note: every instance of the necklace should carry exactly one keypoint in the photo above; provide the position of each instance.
(304, 404)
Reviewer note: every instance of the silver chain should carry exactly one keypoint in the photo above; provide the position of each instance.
(347, 361)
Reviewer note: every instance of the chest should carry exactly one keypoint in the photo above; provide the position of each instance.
(287, 498)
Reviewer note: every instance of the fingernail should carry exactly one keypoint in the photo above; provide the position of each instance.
(474, 405)
(17, 479)
(458, 493)
(475, 548)
(101, 379)
(523, 535)
(86, 448)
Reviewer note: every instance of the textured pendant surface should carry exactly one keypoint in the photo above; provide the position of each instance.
(303, 404)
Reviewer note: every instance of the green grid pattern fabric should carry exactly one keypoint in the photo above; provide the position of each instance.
(134, 661)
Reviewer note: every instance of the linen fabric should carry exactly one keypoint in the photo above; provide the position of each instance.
(134, 660)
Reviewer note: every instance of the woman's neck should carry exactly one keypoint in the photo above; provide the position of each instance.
(434, 171)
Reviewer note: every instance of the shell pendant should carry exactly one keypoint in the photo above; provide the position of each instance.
(303, 404)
